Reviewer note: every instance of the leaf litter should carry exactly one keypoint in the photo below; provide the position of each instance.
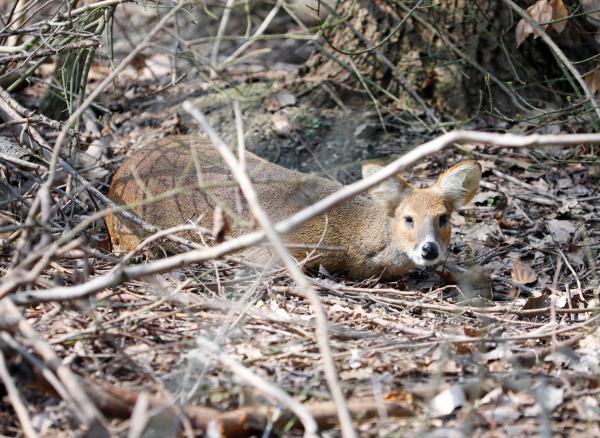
(508, 342)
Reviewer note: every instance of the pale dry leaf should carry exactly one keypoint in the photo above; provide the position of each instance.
(484, 197)
(337, 308)
(140, 353)
(564, 182)
(504, 414)
(559, 12)
(249, 352)
(590, 409)
(158, 65)
(447, 401)
(282, 124)
(522, 273)
(561, 230)
(279, 100)
(492, 396)
(484, 232)
(279, 311)
(356, 374)
(541, 11)
(548, 398)
(523, 398)
(522, 31)
(592, 80)
(560, 359)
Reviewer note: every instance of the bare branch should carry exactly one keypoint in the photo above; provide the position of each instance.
(16, 400)
(42, 53)
(309, 423)
(261, 216)
(164, 265)
(559, 54)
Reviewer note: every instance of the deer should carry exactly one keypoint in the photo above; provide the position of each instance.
(381, 234)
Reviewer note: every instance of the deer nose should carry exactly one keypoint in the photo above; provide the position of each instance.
(430, 251)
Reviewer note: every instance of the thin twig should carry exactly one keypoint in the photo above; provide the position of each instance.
(15, 399)
(418, 153)
(214, 56)
(105, 83)
(42, 53)
(262, 218)
(558, 53)
(85, 410)
(309, 423)
(263, 26)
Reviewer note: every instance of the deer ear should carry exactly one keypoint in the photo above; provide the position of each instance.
(459, 183)
(388, 193)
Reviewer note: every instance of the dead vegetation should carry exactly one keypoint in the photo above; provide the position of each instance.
(501, 340)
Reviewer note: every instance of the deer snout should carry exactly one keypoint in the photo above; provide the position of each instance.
(430, 251)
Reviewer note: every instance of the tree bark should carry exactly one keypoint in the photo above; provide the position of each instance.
(459, 56)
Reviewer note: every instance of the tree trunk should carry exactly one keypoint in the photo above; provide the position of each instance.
(457, 57)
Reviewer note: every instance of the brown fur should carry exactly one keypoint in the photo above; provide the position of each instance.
(369, 231)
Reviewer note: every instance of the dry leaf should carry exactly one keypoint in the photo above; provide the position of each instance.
(522, 273)
(471, 331)
(592, 80)
(548, 398)
(540, 302)
(279, 100)
(561, 230)
(559, 12)
(503, 414)
(447, 401)
(399, 397)
(281, 124)
(541, 11)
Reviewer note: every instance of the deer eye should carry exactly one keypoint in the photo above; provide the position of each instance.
(443, 220)
(408, 220)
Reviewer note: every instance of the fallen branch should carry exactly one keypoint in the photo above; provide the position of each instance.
(119, 402)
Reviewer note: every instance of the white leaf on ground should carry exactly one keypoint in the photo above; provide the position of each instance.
(561, 230)
(591, 411)
(447, 401)
(490, 397)
(504, 414)
(337, 308)
(589, 354)
(548, 398)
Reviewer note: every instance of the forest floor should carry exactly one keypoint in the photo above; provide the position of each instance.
(508, 346)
